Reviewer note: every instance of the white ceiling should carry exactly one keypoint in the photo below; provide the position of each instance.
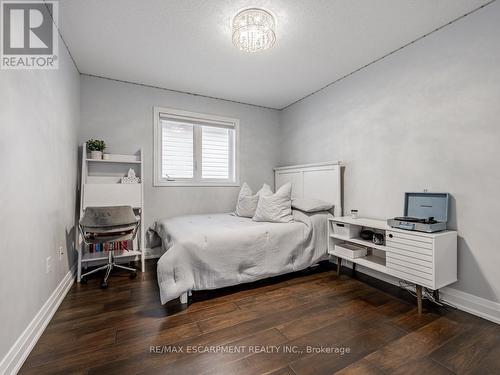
(186, 45)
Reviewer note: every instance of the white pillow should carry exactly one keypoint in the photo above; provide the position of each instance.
(310, 205)
(247, 203)
(275, 208)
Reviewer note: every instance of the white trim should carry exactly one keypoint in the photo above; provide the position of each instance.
(467, 302)
(194, 183)
(470, 303)
(196, 118)
(300, 166)
(18, 353)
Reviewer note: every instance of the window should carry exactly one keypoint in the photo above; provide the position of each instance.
(193, 149)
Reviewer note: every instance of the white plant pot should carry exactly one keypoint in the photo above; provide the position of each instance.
(96, 154)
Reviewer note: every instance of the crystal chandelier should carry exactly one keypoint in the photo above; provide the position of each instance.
(253, 30)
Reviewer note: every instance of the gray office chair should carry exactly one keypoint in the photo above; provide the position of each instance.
(108, 224)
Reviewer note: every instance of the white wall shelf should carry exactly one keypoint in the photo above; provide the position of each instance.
(359, 241)
(114, 161)
(103, 255)
(371, 261)
(101, 186)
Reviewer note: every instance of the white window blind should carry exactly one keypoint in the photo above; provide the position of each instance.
(216, 152)
(194, 150)
(177, 158)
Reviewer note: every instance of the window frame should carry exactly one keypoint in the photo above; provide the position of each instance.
(197, 119)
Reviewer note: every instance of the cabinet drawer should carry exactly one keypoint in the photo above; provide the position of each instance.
(406, 253)
(408, 248)
(427, 263)
(405, 262)
(410, 271)
(412, 278)
(410, 239)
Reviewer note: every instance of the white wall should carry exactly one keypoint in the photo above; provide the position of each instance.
(425, 117)
(122, 115)
(39, 117)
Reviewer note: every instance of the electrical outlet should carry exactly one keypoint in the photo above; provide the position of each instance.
(48, 265)
(61, 252)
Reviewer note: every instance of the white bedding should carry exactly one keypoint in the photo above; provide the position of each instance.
(219, 250)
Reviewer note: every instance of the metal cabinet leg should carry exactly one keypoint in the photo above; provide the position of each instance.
(419, 298)
(339, 264)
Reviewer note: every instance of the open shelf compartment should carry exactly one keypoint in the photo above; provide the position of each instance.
(375, 258)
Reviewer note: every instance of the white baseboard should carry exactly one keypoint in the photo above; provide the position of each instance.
(18, 353)
(467, 302)
(472, 304)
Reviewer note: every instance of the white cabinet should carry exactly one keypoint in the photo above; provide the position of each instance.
(426, 259)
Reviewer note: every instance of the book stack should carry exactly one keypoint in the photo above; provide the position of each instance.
(110, 246)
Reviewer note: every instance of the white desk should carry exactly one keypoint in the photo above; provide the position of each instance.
(426, 259)
(101, 186)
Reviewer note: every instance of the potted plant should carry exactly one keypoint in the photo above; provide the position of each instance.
(96, 147)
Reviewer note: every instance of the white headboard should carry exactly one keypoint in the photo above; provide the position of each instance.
(319, 181)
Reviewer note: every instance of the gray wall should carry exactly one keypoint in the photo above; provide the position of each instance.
(122, 115)
(39, 117)
(426, 117)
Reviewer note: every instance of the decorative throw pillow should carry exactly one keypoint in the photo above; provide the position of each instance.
(310, 205)
(275, 208)
(247, 203)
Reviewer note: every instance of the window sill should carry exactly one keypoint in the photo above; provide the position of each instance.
(195, 184)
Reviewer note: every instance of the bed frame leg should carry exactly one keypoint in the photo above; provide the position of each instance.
(184, 297)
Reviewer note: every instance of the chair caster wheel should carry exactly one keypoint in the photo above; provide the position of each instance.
(133, 275)
(104, 285)
(83, 281)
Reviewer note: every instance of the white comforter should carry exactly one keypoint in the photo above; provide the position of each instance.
(219, 250)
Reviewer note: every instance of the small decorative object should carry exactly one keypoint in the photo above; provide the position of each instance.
(96, 147)
(105, 157)
(354, 214)
(131, 178)
(378, 239)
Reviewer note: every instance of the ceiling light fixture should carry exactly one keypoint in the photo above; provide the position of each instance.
(254, 30)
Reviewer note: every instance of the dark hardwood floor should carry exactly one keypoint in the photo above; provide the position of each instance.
(125, 330)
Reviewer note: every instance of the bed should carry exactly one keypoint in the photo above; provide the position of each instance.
(218, 250)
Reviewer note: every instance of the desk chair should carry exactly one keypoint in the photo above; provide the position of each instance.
(108, 224)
